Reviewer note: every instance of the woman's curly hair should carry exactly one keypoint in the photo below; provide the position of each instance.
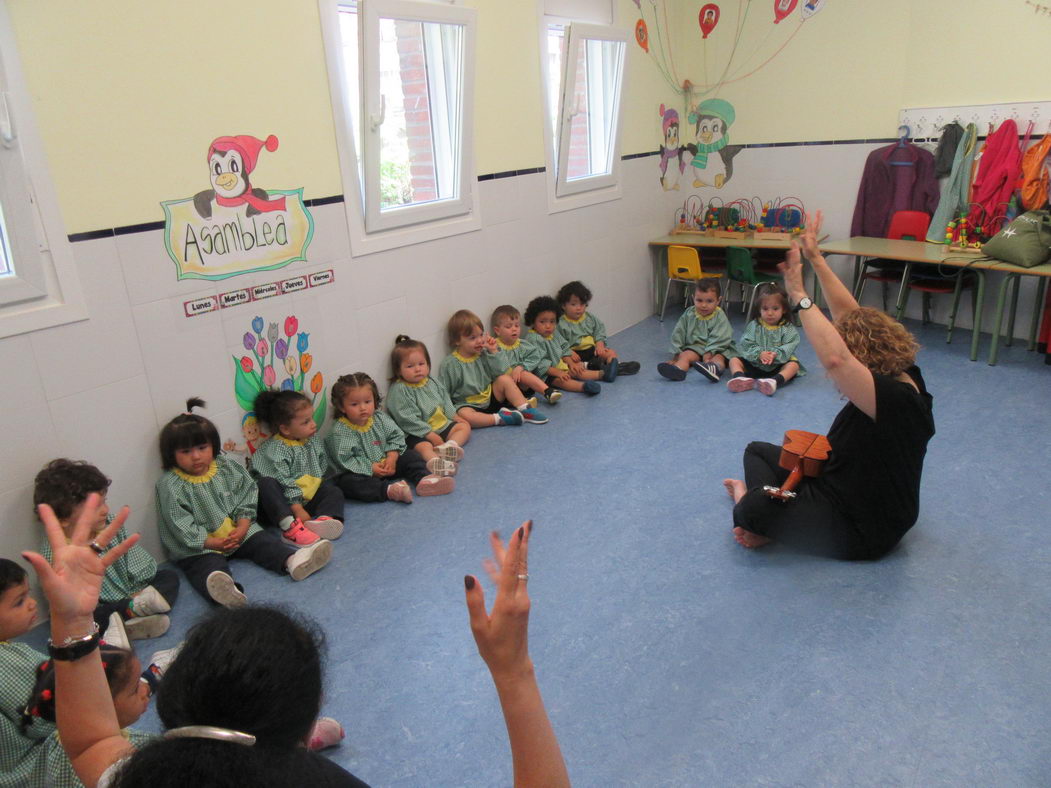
(878, 341)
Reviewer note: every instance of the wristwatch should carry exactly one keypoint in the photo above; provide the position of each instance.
(72, 649)
(804, 303)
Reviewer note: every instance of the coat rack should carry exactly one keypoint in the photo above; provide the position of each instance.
(926, 122)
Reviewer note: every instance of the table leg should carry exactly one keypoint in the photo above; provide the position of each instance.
(979, 300)
(658, 257)
(1000, 299)
(1014, 309)
(899, 305)
(1038, 304)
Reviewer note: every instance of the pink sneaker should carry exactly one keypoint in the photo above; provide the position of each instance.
(766, 385)
(440, 467)
(740, 384)
(298, 536)
(326, 733)
(400, 491)
(325, 527)
(435, 485)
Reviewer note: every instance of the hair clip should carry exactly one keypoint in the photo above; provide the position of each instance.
(211, 732)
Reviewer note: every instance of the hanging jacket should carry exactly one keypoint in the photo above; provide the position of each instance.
(945, 154)
(886, 188)
(957, 188)
(1034, 180)
(998, 171)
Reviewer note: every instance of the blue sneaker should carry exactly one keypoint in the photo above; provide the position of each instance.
(670, 371)
(511, 418)
(533, 416)
(609, 372)
(592, 387)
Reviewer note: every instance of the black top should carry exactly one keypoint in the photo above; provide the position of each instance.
(873, 473)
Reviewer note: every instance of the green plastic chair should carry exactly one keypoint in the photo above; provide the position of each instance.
(740, 269)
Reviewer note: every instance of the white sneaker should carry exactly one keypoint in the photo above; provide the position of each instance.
(766, 385)
(147, 626)
(115, 634)
(399, 491)
(440, 467)
(435, 485)
(223, 590)
(303, 563)
(162, 659)
(450, 450)
(149, 602)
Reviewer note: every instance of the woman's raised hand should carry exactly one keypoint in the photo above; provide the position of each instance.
(792, 271)
(72, 580)
(810, 234)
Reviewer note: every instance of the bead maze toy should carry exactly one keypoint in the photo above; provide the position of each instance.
(777, 219)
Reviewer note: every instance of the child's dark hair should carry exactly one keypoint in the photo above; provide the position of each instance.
(278, 408)
(460, 325)
(710, 285)
(540, 304)
(766, 290)
(347, 382)
(186, 431)
(117, 663)
(574, 288)
(403, 345)
(504, 312)
(219, 679)
(11, 574)
(64, 484)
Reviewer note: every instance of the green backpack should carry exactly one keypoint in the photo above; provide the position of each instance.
(1026, 241)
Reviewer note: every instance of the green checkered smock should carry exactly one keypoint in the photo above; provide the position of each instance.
(712, 334)
(192, 508)
(549, 352)
(25, 760)
(420, 408)
(298, 466)
(470, 380)
(783, 339)
(584, 333)
(126, 576)
(353, 448)
(520, 354)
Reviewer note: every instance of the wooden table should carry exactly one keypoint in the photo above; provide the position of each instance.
(911, 252)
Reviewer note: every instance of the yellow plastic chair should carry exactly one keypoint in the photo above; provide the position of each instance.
(684, 265)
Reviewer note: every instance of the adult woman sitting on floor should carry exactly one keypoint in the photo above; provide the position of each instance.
(868, 493)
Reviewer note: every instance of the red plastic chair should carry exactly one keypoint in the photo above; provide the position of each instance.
(904, 226)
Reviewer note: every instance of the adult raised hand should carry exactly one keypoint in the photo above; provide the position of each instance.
(792, 271)
(811, 232)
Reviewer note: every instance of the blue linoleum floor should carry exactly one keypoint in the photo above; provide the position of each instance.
(668, 655)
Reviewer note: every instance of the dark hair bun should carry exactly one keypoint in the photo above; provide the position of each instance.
(194, 402)
(402, 338)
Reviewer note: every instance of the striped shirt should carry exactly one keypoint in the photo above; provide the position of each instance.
(298, 466)
(353, 448)
(420, 408)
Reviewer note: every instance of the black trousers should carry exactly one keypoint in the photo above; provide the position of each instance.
(264, 548)
(274, 506)
(810, 522)
(166, 581)
(373, 489)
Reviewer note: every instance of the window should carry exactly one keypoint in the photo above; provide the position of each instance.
(585, 75)
(402, 85)
(38, 281)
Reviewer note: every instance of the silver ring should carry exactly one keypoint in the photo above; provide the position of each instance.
(99, 549)
(523, 577)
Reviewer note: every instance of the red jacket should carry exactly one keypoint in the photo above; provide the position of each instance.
(886, 188)
(998, 172)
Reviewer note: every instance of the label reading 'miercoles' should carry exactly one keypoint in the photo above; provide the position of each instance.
(265, 291)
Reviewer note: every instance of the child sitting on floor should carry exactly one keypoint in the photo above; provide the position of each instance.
(290, 471)
(586, 336)
(703, 338)
(506, 324)
(368, 449)
(421, 407)
(768, 345)
(206, 507)
(551, 351)
(474, 374)
(133, 587)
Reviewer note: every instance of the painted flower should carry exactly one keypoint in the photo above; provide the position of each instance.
(305, 361)
(287, 385)
(290, 365)
(271, 333)
(315, 383)
(246, 363)
(303, 343)
(269, 376)
(257, 324)
(291, 325)
(281, 349)
(249, 341)
(262, 348)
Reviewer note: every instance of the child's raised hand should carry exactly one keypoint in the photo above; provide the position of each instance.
(490, 343)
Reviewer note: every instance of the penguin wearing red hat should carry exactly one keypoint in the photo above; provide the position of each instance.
(230, 161)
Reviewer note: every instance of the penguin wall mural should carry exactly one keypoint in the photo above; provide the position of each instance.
(712, 162)
(230, 161)
(672, 164)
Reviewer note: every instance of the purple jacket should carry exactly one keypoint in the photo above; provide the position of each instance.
(885, 188)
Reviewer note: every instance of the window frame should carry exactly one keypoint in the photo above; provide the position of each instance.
(44, 288)
(372, 230)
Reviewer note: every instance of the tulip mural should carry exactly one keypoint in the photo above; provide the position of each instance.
(269, 355)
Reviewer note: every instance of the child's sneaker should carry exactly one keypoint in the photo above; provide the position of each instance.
(592, 387)
(399, 491)
(160, 660)
(708, 369)
(609, 371)
(510, 418)
(552, 395)
(147, 627)
(298, 536)
(670, 371)
(115, 634)
(325, 527)
(767, 385)
(533, 416)
(628, 368)
(435, 485)
(303, 563)
(148, 602)
(531, 402)
(450, 450)
(741, 383)
(224, 591)
(326, 733)
(440, 467)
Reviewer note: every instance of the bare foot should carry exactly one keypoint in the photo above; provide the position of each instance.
(735, 488)
(748, 539)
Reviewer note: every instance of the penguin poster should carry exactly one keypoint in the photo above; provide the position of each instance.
(234, 226)
(712, 162)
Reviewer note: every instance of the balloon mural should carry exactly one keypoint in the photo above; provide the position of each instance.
(708, 18)
(783, 8)
(642, 35)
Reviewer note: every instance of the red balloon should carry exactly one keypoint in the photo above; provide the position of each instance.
(708, 18)
(783, 8)
(642, 35)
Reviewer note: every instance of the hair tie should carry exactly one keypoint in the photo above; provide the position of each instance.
(211, 732)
